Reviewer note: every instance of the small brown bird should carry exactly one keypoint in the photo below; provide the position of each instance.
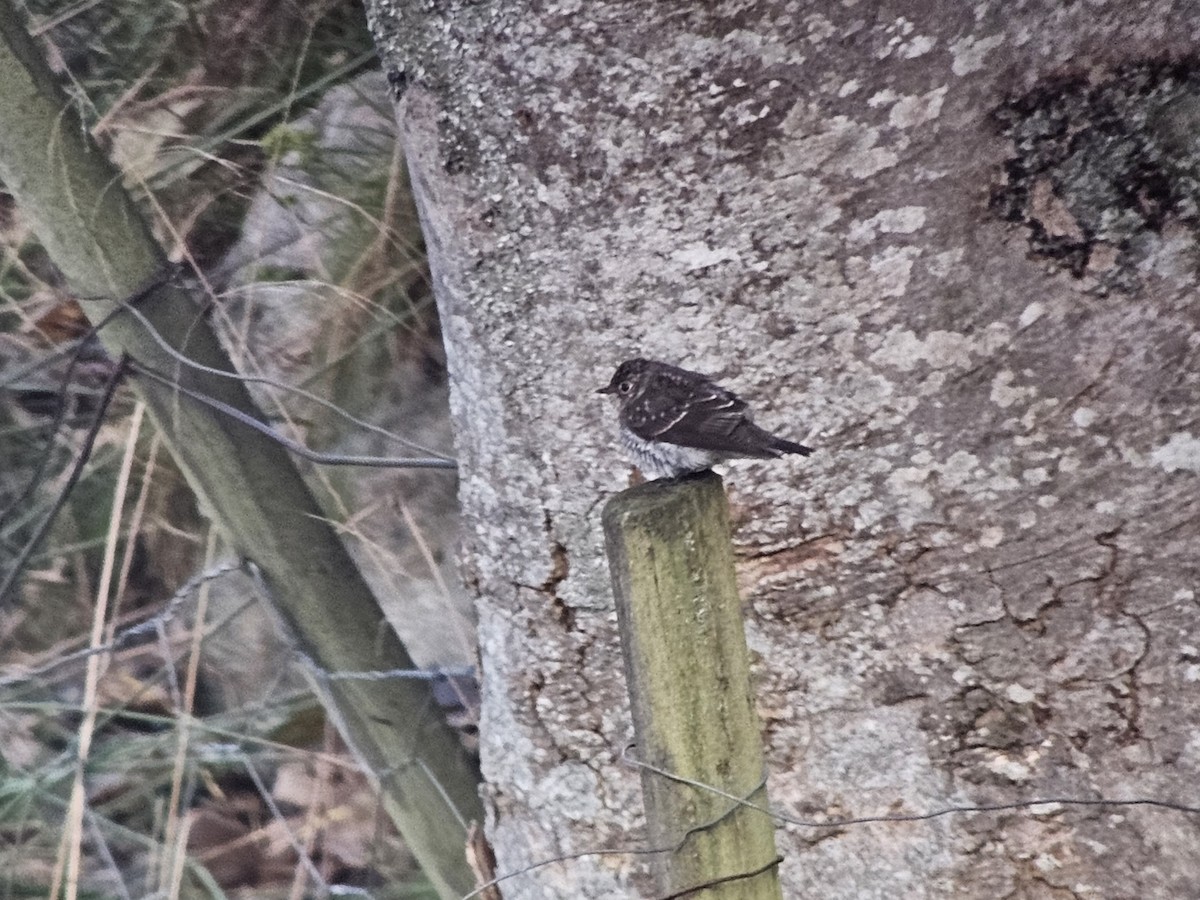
(674, 421)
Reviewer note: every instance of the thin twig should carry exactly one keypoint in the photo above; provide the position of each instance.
(60, 501)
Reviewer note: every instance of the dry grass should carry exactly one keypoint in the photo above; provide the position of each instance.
(156, 741)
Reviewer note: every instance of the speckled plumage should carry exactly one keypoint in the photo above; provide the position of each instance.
(674, 421)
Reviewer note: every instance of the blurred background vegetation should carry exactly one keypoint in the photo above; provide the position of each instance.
(259, 136)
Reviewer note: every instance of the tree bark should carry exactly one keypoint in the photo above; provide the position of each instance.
(954, 248)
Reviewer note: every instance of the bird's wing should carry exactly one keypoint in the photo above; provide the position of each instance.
(698, 414)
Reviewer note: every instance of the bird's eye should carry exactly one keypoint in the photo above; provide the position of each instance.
(625, 387)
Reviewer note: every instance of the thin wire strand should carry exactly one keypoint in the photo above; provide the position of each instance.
(46, 359)
(738, 802)
(149, 626)
(724, 879)
(915, 817)
(630, 851)
(60, 414)
(60, 501)
(387, 674)
(324, 459)
(268, 800)
(279, 385)
(156, 625)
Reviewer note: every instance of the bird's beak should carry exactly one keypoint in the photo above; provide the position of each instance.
(611, 389)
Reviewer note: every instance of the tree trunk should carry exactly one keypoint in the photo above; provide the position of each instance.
(954, 248)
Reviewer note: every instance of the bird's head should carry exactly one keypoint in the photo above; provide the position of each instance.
(629, 379)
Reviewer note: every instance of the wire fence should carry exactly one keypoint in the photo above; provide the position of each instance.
(228, 746)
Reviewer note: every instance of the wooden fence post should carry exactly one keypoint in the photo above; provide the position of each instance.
(686, 662)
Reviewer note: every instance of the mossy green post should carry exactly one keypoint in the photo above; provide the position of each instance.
(96, 235)
(687, 665)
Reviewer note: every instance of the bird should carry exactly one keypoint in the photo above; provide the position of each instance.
(675, 421)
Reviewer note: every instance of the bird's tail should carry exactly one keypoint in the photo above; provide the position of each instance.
(750, 440)
(786, 446)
